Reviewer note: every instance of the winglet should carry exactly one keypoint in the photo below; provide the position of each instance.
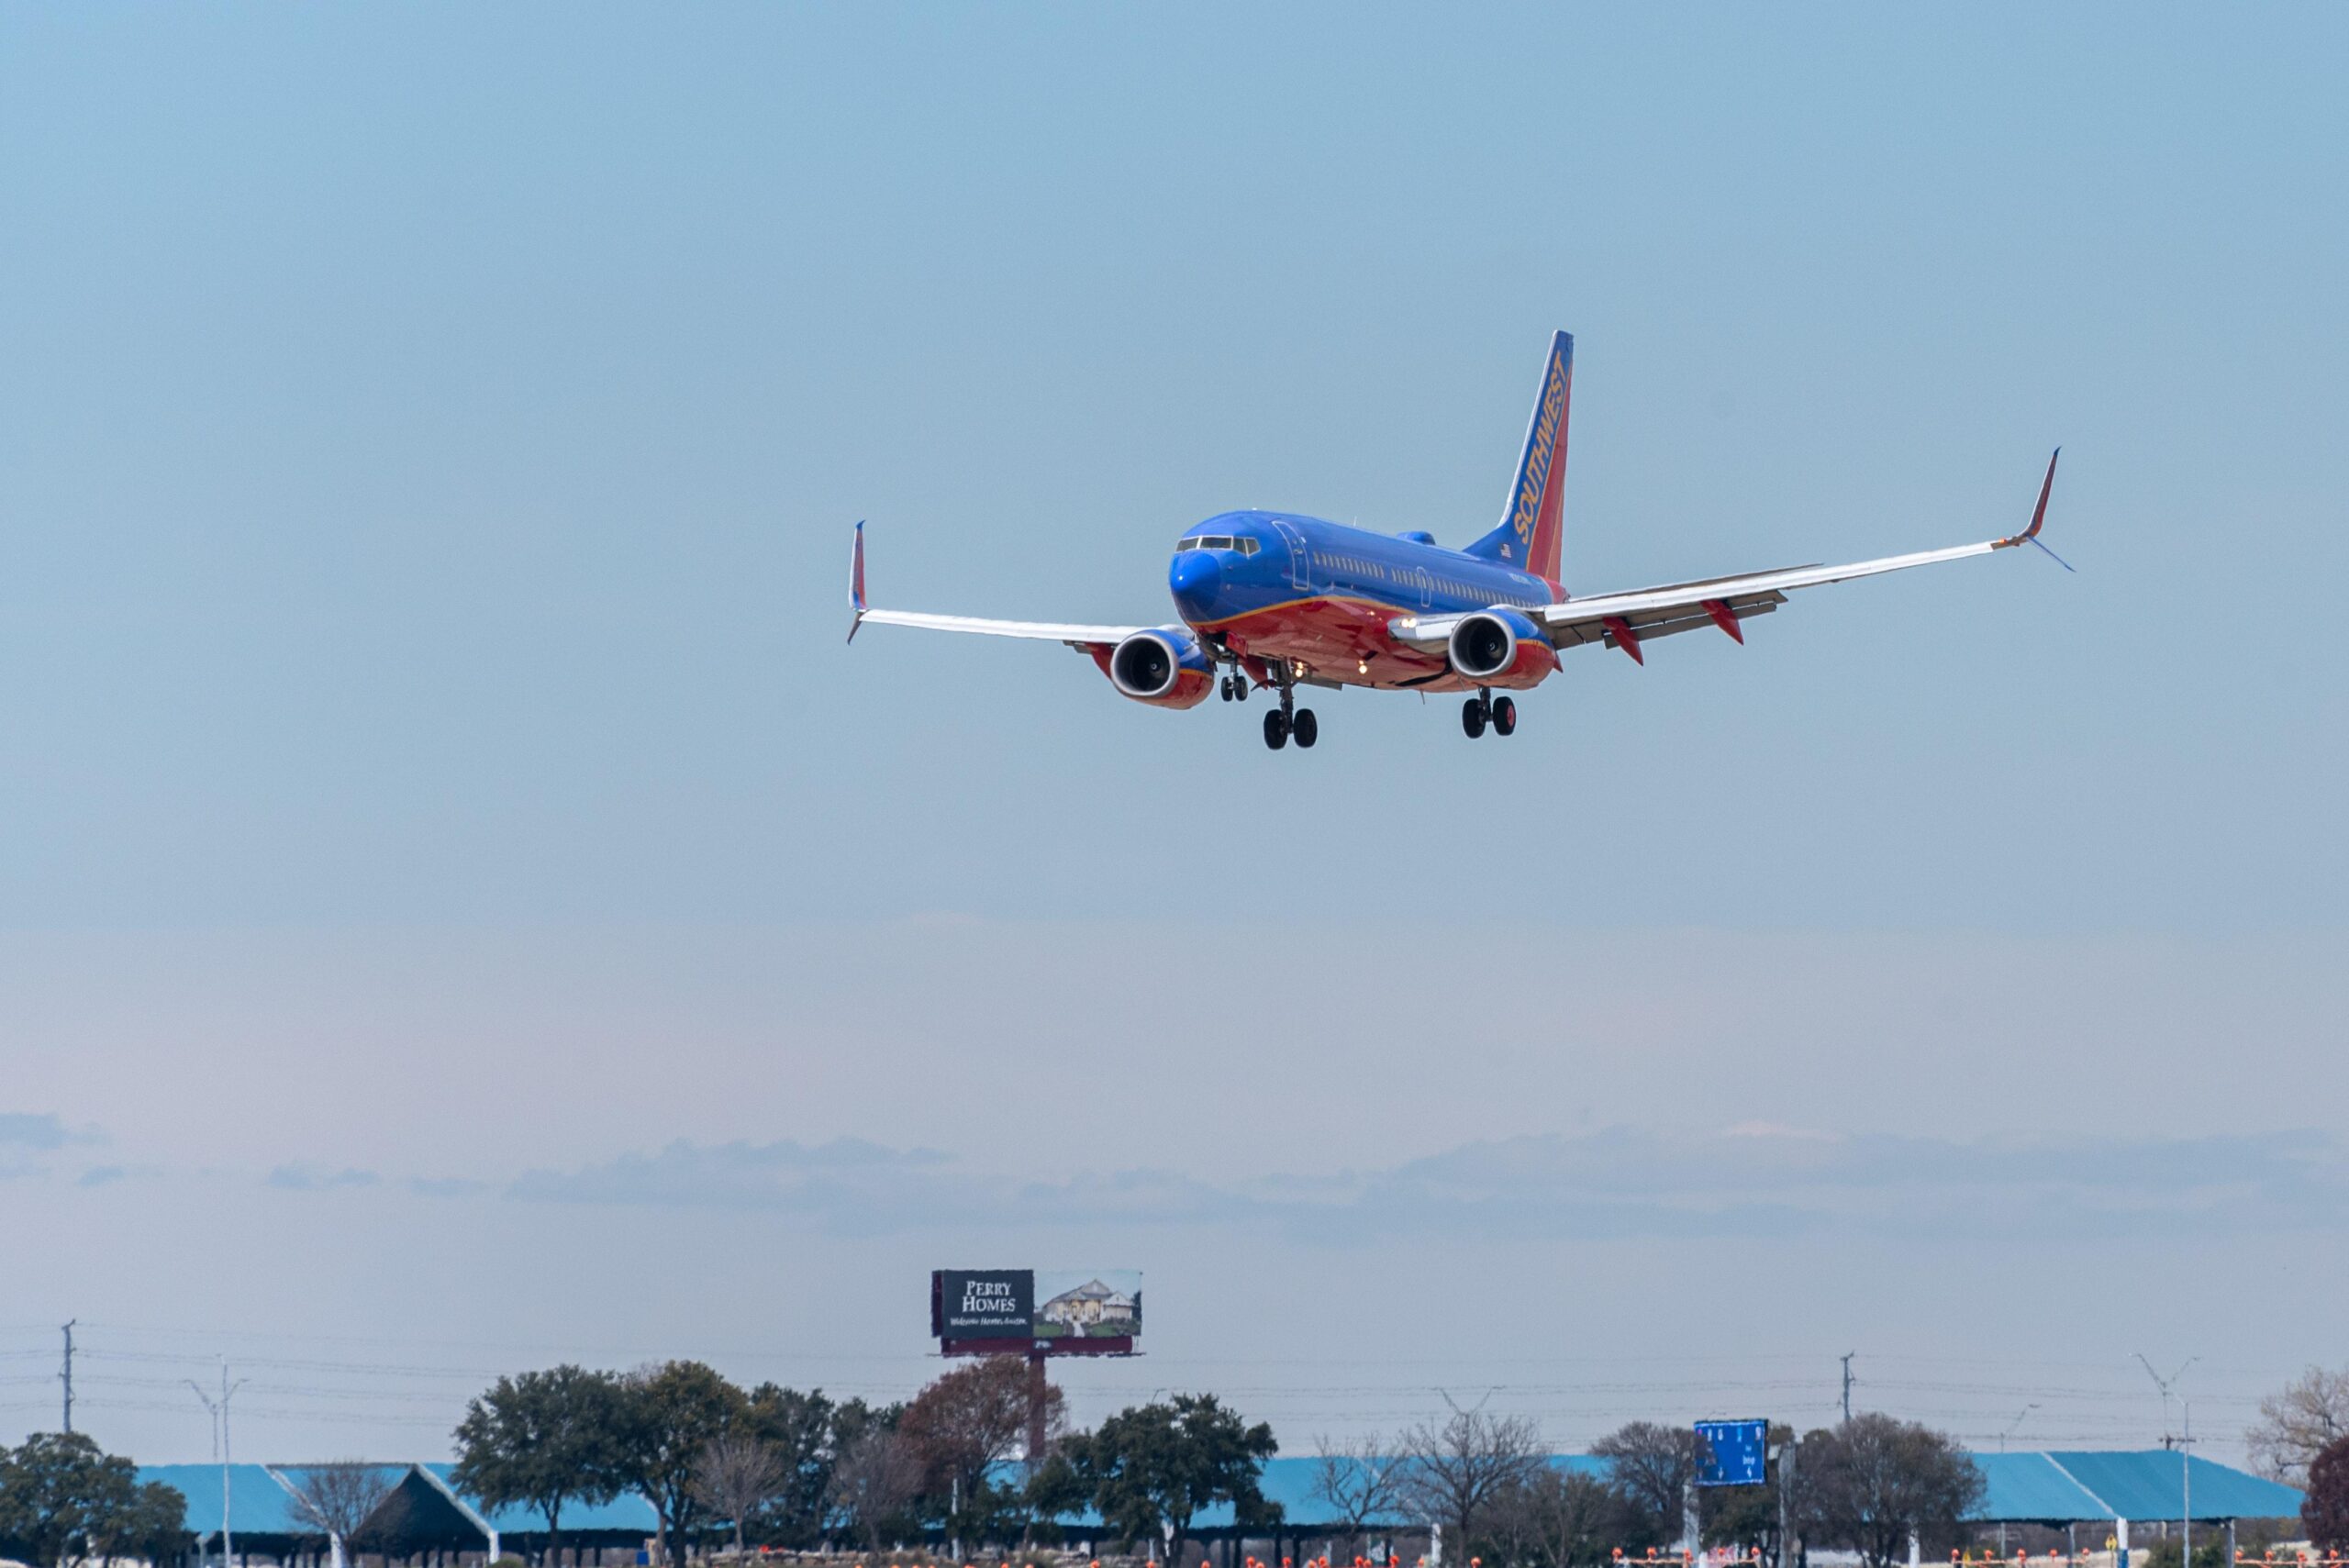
(2039, 516)
(856, 582)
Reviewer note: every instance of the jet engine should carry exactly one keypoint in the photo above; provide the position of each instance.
(1164, 666)
(1500, 648)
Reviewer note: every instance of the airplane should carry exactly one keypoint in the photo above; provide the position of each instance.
(1278, 600)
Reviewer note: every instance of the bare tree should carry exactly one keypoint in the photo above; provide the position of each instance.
(735, 1476)
(1454, 1468)
(875, 1480)
(1559, 1519)
(1651, 1466)
(1360, 1484)
(2297, 1423)
(338, 1499)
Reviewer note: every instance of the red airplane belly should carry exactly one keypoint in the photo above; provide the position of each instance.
(1335, 638)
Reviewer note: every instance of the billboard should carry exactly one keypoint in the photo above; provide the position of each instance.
(1737, 1454)
(1038, 1305)
(983, 1304)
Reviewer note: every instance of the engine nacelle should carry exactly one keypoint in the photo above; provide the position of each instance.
(1165, 666)
(1500, 648)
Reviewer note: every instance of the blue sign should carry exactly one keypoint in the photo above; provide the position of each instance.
(1737, 1452)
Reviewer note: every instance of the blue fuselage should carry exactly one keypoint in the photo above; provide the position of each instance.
(1278, 584)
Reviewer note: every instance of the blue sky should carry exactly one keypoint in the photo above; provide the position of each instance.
(432, 781)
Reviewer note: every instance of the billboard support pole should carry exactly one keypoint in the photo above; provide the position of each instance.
(1039, 1391)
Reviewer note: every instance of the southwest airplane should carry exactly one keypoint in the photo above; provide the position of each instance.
(1277, 600)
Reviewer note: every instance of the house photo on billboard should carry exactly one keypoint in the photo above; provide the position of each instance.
(1075, 1305)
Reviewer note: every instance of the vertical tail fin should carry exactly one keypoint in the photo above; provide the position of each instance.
(1532, 530)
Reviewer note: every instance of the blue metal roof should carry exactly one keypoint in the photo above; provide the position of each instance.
(2151, 1483)
(628, 1511)
(2018, 1488)
(256, 1502)
(259, 1504)
(2022, 1486)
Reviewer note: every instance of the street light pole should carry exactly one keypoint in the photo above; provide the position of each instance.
(2185, 1490)
(2165, 1385)
(2002, 1449)
(220, 1431)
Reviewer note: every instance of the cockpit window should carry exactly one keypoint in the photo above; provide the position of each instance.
(1216, 541)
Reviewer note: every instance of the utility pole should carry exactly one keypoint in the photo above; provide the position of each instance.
(220, 1428)
(1847, 1385)
(68, 1374)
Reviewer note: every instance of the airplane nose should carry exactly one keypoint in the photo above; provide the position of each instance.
(1195, 579)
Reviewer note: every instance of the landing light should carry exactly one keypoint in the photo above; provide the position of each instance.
(1361, 666)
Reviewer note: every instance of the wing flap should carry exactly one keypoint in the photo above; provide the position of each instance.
(1662, 623)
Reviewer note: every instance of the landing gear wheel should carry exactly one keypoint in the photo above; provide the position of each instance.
(1276, 730)
(1471, 717)
(1307, 729)
(1223, 688)
(1239, 688)
(1504, 717)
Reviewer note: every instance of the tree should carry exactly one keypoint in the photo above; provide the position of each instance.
(1359, 1485)
(667, 1413)
(2309, 1415)
(2324, 1512)
(1651, 1467)
(1454, 1468)
(1874, 1481)
(1557, 1519)
(798, 1428)
(875, 1480)
(64, 1500)
(735, 1475)
(337, 1498)
(1747, 1516)
(154, 1527)
(1150, 1469)
(542, 1439)
(965, 1424)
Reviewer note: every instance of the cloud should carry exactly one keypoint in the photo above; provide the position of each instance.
(38, 1133)
(849, 1183)
(101, 1175)
(310, 1179)
(1745, 1181)
(446, 1187)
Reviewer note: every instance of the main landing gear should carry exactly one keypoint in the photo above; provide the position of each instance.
(1289, 720)
(1485, 708)
(1234, 687)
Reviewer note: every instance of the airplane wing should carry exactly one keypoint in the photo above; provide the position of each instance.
(1073, 634)
(1625, 620)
